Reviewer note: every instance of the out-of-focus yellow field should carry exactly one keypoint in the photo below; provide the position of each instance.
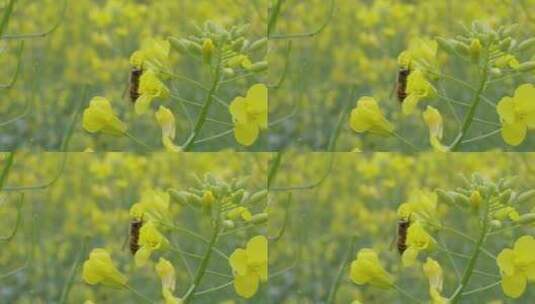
(360, 198)
(353, 52)
(88, 54)
(89, 206)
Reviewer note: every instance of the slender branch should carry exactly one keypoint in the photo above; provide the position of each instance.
(17, 68)
(216, 288)
(41, 34)
(201, 119)
(320, 29)
(486, 287)
(8, 10)
(341, 270)
(18, 220)
(70, 279)
(406, 294)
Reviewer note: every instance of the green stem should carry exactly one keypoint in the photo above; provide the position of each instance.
(137, 141)
(5, 17)
(469, 270)
(404, 140)
(406, 294)
(201, 271)
(469, 118)
(7, 167)
(336, 284)
(216, 288)
(274, 168)
(138, 294)
(201, 119)
(486, 287)
(274, 16)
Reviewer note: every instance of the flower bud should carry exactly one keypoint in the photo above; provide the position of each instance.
(475, 49)
(446, 45)
(180, 197)
(207, 50)
(258, 67)
(258, 196)
(496, 224)
(527, 66)
(526, 44)
(228, 224)
(505, 196)
(260, 218)
(180, 45)
(525, 196)
(445, 197)
(475, 199)
(525, 219)
(257, 45)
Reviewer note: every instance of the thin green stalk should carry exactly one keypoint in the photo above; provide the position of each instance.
(70, 279)
(6, 169)
(484, 288)
(17, 68)
(201, 119)
(7, 14)
(406, 294)
(469, 270)
(313, 33)
(469, 118)
(41, 34)
(274, 168)
(18, 221)
(404, 140)
(137, 141)
(201, 271)
(341, 270)
(216, 288)
(138, 294)
(274, 16)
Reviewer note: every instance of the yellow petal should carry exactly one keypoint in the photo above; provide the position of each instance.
(238, 261)
(506, 110)
(246, 134)
(142, 256)
(514, 134)
(257, 250)
(238, 109)
(505, 261)
(143, 103)
(246, 285)
(410, 103)
(524, 250)
(409, 257)
(514, 286)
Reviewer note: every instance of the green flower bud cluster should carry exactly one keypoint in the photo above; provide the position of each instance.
(229, 202)
(228, 47)
(498, 45)
(498, 200)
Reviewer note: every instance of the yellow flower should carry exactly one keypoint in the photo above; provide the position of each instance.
(99, 269)
(240, 212)
(434, 274)
(421, 54)
(368, 117)
(507, 60)
(166, 120)
(150, 239)
(150, 87)
(417, 240)
(367, 269)
(166, 272)
(249, 266)
(433, 120)
(418, 88)
(517, 266)
(250, 114)
(153, 206)
(517, 114)
(153, 55)
(99, 117)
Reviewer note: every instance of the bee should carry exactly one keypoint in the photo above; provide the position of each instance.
(401, 243)
(133, 87)
(135, 226)
(401, 86)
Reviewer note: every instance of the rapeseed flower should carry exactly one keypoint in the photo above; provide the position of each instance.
(150, 87)
(150, 240)
(517, 114)
(166, 120)
(250, 114)
(100, 117)
(517, 266)
(99, 269)
(434, 122)
(249, 266)
(368, 117)
(367, 269)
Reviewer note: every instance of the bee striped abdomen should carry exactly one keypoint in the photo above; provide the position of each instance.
(135, 226)
(403, 226)
(135, 74)
(403, 75)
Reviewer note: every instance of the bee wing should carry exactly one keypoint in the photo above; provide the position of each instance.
(395, 86)
(394, 239)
